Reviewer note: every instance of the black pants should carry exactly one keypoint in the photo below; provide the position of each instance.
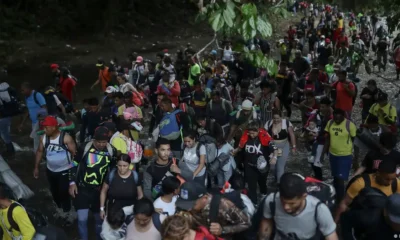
(253, 177)
(59, 185)
(340, 189)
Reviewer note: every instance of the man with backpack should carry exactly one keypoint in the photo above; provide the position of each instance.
(14, 220)
(67, 84)
(59, 149)
(345, 93)
(386, 112)
(172, 124)
(215, 210)
(291, 213)
(208, 126)
(93, 160)
(365, 198)
(9, 107)
(219, 109)
(340, 133)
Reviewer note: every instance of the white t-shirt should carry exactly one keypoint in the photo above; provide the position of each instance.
(192, 160)
(168, 208)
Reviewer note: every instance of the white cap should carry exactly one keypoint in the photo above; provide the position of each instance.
(247, 105)
(111, 89)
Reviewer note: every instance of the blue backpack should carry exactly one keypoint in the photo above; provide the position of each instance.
(169, 126)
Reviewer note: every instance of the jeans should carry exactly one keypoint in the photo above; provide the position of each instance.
(279, 167)
(5, 124)
(82, 224)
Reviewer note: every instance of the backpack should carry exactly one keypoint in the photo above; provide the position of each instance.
(369, 197)
(272, 206)
(240, 200)
(11, 108)
(169, 126)
(321, 190)
(51, 104)
(111, 176)
(224, 102)
(69, 108)
(37, 218)
(220, 161)
(211, 148)
(347, 127)
(60, 143)
(89, 145)
(156, 221)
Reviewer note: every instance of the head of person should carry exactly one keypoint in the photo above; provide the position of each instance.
(325, 105)
(167, 61)
(192, 196)
(5, 194)
(386, 172)
(123, 163)
(283, 67)
(371, 84)
(216, 96)
(392, 211)
(189, 138)
(128, 98)
(26, 89)
(220, 141)
(143, 211)
(139, 60)
(163, 149)
(244, 87)
(266, 87)
(170, 185)
(208, 72)
(121, 78)
(297, 54)
(55, 68)
(339, 115)
(177, 227)
(293, 192)
(85, 103)
(382, 99)
(93, 104)
(160, 97)
(100, 138)
(115, 218)
(310, 96)
(342, 75)
(190, 58)
(112, 128)
(166, 105)
(253, 128)
(387, 141)
(100, 63)
(50, 126)
(372, 123)
(276, 116)
(165, 76)
(201, 120)
(110, 91)
(159, 57)
(118, 99)
(247, 107)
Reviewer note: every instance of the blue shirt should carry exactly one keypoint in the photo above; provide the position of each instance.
(34, 107)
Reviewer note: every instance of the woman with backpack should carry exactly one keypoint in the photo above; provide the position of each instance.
(193, 164)
(259, 154)
(281, 130)
(121, 187)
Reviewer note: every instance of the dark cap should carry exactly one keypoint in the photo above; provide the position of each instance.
(101, 134)
(382, 97)
(393, 208)
(110, 126)
(190, 192)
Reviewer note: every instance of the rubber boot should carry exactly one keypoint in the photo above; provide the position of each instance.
(10, 148)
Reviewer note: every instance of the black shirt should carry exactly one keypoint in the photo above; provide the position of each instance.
(159, 173)
(122, 192)
(373, 159)
(367, 103)
(253, 150)
(382, 231)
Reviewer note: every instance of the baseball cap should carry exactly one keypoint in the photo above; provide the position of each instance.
(327, 40)
(49, 121)
(393, 208)
(111, 89)
(139, 59)
(54, 66)
(247, 105)
(101, 134)
(190, 192)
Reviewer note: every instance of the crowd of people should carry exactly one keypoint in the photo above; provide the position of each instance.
(196, 166)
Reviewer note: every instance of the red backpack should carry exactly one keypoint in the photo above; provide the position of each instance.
(202, 233)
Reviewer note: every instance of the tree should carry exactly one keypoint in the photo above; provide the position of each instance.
(247, 19)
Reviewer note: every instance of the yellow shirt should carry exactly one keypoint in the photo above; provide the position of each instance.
(340, 23)
(359, 184)
(27, 231)
(388, 109)
(134, 133)
(340, 138)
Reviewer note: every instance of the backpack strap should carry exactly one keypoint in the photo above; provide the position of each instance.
(330, 124)
(111, 176)
(46, 142)
(394, 186)
(272, 205)
(214, 208)
(13, 224)
(87, 147)
(156, 221)
(367, 180)
(110, 150)
(35, 98)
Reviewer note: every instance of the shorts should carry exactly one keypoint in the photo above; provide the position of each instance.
(340, 166)
(88, 198)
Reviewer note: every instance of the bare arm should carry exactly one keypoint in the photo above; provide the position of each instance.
(265, 231)
(95, 83)
(103, 194)
(202, 164)
(343, 207)
(332, 236)
(39, 153)
(231, 133)
(139, 192)
(71, 145)
(292, 136)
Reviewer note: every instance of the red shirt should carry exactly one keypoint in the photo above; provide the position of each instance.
(66, 86)
(291, 33)
(343, 100)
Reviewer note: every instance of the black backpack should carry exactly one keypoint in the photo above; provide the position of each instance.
(369, 197)
(11, 108)
(37, 218)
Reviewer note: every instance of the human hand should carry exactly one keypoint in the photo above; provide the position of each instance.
(102, 214)
(272, 160)
(174, 168)
(36, 172)
(159, 210)
(73, 190)
(216, 229)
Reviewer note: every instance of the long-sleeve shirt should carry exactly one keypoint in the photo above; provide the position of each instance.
(232, 219)
(21, 218)
(173, 91)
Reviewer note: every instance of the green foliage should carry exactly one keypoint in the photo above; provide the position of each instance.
(232, 18)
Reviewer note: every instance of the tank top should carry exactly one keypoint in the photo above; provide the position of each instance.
(57, 155)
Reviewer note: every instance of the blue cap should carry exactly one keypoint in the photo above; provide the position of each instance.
(214, 52)
(393, 208)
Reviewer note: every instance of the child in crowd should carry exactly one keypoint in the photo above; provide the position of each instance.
(114, 226)
(311, 133)
(170, 190)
